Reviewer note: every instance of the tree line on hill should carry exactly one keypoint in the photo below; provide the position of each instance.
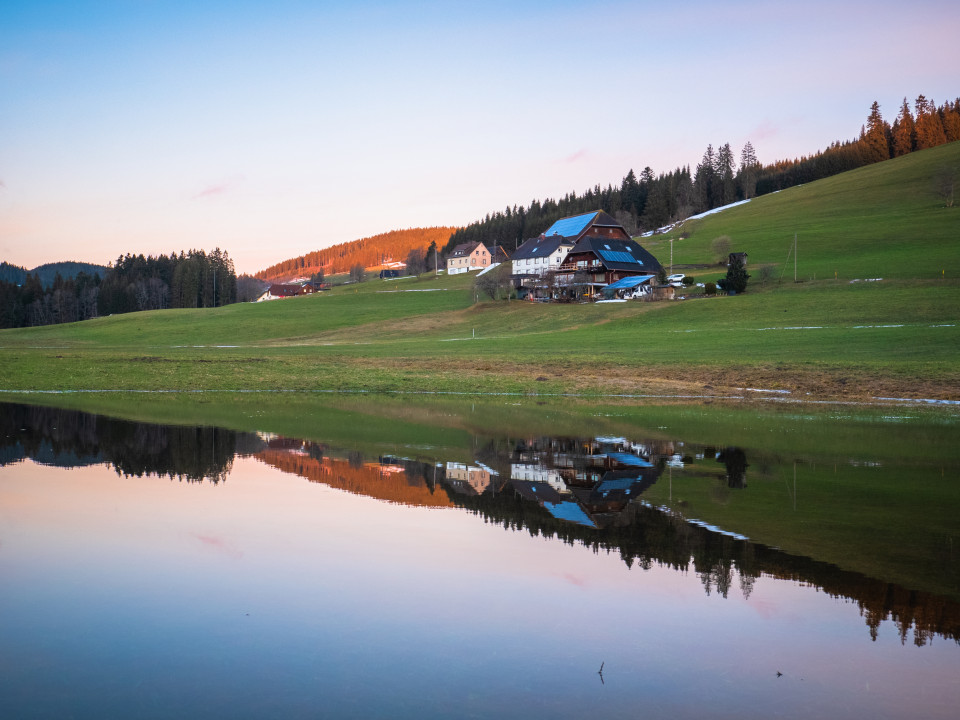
(195, 279)
(49, 271)
(366, 252)
(652, 201)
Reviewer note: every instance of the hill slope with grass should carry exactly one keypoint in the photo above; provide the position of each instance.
(822, 338)
(885, 220)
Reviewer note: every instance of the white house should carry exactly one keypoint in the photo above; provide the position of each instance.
(468, 257)
(541, 254)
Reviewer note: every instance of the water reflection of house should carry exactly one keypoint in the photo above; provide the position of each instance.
(591, 482)
(469, 479)
(293, 445)
(615, 490)
(539, 473)
(536, 491)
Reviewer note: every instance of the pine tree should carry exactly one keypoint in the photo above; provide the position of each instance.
(704, 180)
(874, 141)
(725, 163)
(904, 136)
(929, 129)
(736, 279)
(950, 118)
(749, 171)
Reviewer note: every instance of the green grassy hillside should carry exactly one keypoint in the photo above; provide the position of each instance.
(885, 220)
(825, 338)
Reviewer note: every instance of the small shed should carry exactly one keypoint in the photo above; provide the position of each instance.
(742, 256)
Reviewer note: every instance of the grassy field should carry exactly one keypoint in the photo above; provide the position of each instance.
(821, 339)
(885, 220)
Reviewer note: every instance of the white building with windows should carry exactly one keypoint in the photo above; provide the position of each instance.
(468, 257)
(540, 255)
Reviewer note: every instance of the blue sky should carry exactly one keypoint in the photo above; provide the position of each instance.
(274, 129)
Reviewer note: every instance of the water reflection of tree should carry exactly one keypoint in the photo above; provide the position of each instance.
(70, 437)
(642, 535)
(645, 536)
(735, 460)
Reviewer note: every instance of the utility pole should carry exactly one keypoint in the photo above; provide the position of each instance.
(671, 256)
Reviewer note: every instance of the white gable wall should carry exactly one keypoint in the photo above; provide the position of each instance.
(540, 265)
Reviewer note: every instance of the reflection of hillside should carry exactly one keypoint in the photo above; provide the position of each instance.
(70, 438)
(647, 536)
(585, 491)
(383, 482)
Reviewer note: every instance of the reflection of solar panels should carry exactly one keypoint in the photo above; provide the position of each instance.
(628, 459)
(622, 484)
(571, 512)
(618, 256)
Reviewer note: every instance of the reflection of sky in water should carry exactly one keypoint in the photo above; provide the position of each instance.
(271, 596)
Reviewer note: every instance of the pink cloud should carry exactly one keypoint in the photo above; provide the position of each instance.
(764, 131)
(219, 545)
(574, 580)
(218, 188)
(765, 608)
(578, 155)
(211, 190)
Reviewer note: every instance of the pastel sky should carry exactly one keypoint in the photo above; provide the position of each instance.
(273, 129)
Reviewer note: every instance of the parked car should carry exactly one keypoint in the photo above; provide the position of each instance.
(676, 280)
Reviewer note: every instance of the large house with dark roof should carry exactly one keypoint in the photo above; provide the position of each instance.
(591, 250)
(601, 261)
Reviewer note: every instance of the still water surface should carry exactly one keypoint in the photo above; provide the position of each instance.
(158, 571)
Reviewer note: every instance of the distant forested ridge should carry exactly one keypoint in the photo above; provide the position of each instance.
(366, 252)
(48, 272)
(652, 201)
(12, 273)
(188, 280)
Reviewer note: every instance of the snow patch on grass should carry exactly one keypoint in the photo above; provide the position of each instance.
(671, 226)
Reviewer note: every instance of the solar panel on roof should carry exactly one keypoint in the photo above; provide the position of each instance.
(571, 226)
(618, 256)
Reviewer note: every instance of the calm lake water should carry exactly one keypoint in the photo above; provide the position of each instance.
(175, 571)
